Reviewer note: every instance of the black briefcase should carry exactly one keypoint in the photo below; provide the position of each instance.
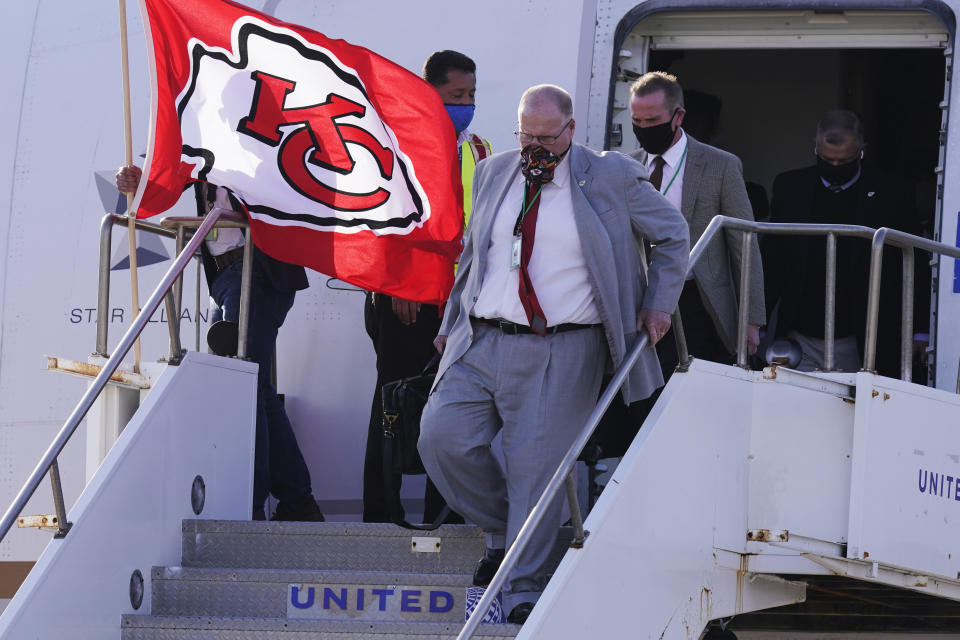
(403, 402)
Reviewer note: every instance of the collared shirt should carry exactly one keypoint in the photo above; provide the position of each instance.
(675, 162)
(845, 185)
(557, 266)
(219, 241)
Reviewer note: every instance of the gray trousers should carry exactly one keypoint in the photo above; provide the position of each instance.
(538, 392)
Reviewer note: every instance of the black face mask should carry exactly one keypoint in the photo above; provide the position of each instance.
(658, 138)
(839, 174)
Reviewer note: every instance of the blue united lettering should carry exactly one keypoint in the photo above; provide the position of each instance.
(937, 484)
(357, 599)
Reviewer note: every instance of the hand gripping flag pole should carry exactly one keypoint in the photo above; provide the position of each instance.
(128, 143)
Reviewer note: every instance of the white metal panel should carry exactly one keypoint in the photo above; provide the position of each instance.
(66, 53)
(651, 562)
(819, 635)
(786, 28)
(496, 35)
(197, 420)
(800, 449)
(905, 497)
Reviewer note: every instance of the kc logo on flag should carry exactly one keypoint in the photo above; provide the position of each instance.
(344, 161)
(312, 145)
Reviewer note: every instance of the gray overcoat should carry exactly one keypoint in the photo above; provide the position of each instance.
(614, 207)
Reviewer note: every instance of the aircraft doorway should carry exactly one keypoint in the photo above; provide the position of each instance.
(758, 82)
(763, 106)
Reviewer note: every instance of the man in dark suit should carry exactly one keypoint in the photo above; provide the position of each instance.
(702, 182)
(838, 189)
(402, 331)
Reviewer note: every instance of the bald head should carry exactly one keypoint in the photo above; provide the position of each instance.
(544, 96)
(545, 115)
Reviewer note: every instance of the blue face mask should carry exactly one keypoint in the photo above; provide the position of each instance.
(460, 115)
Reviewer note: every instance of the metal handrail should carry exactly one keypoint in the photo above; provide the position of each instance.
(49, 460)
(878, 237)
(907, 243)
(831, 231)
(176, 228)
(229, 220)
(103, 297)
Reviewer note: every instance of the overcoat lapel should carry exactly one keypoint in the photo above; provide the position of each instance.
(501, 186)
(597, 251)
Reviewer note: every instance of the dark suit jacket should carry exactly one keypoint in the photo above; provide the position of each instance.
(881, 200)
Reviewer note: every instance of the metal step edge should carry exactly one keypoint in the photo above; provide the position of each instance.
(455, 557)
(300, 576)
(260, 625)
(299, 546)
(353, 529)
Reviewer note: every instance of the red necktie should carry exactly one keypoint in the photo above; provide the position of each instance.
(528, 228)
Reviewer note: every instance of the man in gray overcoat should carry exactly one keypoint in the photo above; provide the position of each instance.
(549, 294)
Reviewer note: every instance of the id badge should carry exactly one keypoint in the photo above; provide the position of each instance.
(515, 252)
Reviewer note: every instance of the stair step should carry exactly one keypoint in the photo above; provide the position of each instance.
(332, 546)
(213, 628)
(302, 594)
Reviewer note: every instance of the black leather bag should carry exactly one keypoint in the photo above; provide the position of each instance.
(403, 402)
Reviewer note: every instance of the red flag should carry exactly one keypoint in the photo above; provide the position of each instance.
(345, 161)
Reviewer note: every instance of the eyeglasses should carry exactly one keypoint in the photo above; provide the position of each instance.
(525, 138)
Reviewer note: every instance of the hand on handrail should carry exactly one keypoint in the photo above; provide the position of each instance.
(655, 323)
(753, 338)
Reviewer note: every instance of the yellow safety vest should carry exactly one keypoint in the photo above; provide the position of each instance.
(472, 150)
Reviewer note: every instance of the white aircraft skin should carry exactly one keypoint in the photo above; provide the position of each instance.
(62, 146)
(63, 141)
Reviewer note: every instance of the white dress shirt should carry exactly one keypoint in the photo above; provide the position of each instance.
(674, 163)
(557, 267)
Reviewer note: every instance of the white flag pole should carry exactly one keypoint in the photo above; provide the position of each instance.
(131, 216)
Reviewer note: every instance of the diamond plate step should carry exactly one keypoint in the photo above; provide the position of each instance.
(207, 628)
(268, 593)
(337, 546)
(330, 546)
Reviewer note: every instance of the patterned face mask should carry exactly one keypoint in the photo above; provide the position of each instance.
(538, 163)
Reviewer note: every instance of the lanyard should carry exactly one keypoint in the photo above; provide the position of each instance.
(525, 208)
(679, 166)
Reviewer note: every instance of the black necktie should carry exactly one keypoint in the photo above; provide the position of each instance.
(656, 176)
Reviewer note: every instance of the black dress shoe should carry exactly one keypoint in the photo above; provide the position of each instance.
(308, 511)
(520, 613)
(223, 337)
(487, 566)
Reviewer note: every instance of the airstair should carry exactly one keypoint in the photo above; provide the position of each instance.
(767, 501)
(316, 580)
